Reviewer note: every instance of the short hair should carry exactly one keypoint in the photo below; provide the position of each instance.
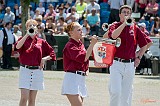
(61, 18)
(8, 8)
(32, 21)
(8, 24)
(16, 26)
(70, 27)
(50, 6)
(38, 19)
(125, 6)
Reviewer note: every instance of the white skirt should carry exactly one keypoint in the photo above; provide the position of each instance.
(31, 79)
(74, 84)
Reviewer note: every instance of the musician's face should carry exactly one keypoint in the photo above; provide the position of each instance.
(125, 12)
(77, 31)
(30, 24)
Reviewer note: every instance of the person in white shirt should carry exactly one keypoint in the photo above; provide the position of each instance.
(7, 40)
(16, 32)
(72, 16)
(37, 14)
(92, 5)
(60, 14)
(41, 9)
(9, 16)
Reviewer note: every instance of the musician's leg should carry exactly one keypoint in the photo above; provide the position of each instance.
(115, 83)
(127, 82)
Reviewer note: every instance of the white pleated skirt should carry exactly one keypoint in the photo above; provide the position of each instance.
(31, 79)
(74, 84)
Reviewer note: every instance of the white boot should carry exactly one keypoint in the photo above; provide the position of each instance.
(149, 71)
(145, 71)
(141, 71)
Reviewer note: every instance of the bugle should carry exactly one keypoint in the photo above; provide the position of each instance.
(32, 31)
(105, 26)
(117, 41)
(129, 21)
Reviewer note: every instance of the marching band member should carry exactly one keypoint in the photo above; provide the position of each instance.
(76, 62)
(122, 70)
(33, 52)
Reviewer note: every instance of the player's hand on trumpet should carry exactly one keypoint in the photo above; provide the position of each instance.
(94, 39)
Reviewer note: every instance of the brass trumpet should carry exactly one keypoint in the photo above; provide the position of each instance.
(105, 26)
(32, 31)
(129, 21)
(117, 41)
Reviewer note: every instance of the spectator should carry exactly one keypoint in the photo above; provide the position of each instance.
(7, 40)
(48, 10)
(61, 23)
(68, 8)
(16, 32)
(115, 6)
(151, 9)
(130, 2)
(94, 22)
(86, 32)
(155, 27)
(102, 1)
(40, 32)
(41, 9)
(16, 12)
(50, 26)
(80, 8)
(9, 16)
(140, 6)
(51, 13)
(42, 25)
(142, 26)
(31, 12)
(2, 5)
(85, 27)
(73, 16)
(60, 14)
(145, 64)
(62, 31)
(45, 2)
(37, 14)
(92, 5)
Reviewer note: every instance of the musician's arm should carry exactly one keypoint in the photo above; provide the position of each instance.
(118, 31)
(21, 42)
(90, 48)
(106, 35)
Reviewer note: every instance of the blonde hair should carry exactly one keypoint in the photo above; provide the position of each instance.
(31, 21)
(70, 27)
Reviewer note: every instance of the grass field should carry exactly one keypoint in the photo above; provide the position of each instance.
(146, 90)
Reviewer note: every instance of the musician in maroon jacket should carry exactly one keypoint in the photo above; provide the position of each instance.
(76, 61)
(33, 52)
(123, 68)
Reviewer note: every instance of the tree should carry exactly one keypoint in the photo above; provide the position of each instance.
(25, 12)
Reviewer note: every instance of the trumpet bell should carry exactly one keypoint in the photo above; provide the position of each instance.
(31, 31)
(129, 22)
(105, 26)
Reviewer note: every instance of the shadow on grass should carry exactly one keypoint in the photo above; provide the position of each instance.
(152, 77)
